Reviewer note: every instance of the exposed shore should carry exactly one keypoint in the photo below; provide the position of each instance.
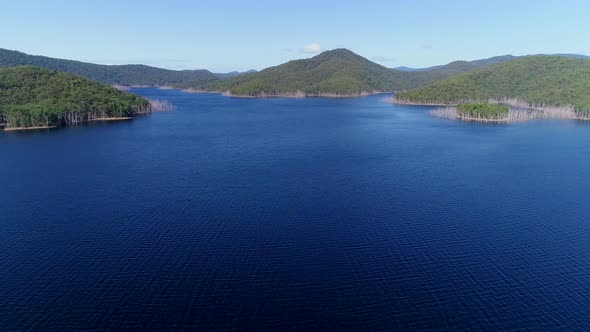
(198, 91)
(298, 94)
(397, 101)
(520, 110)
(121, 87)
(118, 118)
(488, 120)
(29, 128)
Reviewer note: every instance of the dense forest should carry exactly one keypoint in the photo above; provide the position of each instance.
(122, 75)
(37, 97)
(537, 80)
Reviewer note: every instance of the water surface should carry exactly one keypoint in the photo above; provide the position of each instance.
(304, 214)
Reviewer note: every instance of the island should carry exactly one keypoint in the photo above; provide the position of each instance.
(477, 112)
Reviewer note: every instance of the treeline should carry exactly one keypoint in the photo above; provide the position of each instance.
(541, 81)
(38, 97)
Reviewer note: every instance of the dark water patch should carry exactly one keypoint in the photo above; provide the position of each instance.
(295, 214)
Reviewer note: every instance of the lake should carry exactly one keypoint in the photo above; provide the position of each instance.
(306, 214)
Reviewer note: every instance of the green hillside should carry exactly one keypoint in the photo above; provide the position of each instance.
(123, 75)
(538, 80)
(33, 96)
(339, 72)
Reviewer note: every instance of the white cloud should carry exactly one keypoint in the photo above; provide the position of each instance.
(312, 48)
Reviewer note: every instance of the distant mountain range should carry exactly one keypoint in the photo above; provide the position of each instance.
(462, 65)
(337, 72)
(485, 62)
(234, 73)
(117, 74)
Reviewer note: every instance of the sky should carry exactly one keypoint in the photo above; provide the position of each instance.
(226, 35)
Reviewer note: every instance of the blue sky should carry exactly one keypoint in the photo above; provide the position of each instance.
(239, 35)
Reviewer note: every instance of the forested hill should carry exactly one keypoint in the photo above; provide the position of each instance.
(539, 80)
(332, 72)
(336, 72)
(123, 75)
(38, 97)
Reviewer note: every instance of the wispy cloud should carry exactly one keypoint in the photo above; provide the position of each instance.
(312, 48)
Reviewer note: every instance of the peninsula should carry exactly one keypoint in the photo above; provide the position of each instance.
(533, 86)
(35, 98)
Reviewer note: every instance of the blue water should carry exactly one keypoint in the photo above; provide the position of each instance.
(273, 214)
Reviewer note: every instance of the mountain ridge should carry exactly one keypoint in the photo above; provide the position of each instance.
(131, 74)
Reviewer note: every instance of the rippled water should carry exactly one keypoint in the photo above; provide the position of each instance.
(295, 214)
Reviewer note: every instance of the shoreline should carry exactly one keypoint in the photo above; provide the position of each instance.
(197, 91)
(267, 95)
(305, 95)
(291, 95)
(3, 128)
(484, 120)
(29, 128)
(520, 111)
(120, 118)
(395, 101)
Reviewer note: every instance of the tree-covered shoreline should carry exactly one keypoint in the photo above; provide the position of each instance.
(538, 81)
